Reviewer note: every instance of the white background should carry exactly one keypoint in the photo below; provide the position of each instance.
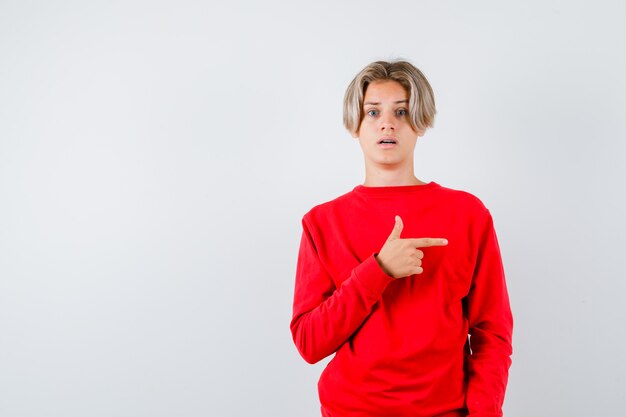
(156, 159)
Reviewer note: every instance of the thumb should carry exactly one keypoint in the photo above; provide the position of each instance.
(397, 229)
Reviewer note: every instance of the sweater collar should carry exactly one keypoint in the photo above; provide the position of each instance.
(395, 189)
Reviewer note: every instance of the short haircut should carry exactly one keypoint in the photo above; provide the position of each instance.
(421, 99)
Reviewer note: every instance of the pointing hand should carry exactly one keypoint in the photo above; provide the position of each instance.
(402, 257)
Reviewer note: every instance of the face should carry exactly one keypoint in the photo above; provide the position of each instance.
(385, 134)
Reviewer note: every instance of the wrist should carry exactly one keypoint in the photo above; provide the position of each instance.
(381, 265)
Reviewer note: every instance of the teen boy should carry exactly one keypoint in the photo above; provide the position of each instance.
(394, 275)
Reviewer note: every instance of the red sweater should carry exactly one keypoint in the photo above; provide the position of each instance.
(402, 345)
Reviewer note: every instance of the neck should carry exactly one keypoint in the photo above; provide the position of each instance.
(381, 177)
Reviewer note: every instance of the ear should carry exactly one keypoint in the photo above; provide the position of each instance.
(420, 132)
(355, 135)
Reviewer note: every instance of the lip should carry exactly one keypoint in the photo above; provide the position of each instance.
(387, 145)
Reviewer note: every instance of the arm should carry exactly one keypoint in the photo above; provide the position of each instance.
(490, 328)
(324, 317)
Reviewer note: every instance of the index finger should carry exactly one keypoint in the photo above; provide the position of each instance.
(424, 242)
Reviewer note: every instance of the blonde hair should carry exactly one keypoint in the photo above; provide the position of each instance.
(421, 99)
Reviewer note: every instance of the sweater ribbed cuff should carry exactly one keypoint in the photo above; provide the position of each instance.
(372, 277)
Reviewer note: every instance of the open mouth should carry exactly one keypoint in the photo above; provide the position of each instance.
(387, 142)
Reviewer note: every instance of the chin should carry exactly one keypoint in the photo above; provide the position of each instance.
(386, 161)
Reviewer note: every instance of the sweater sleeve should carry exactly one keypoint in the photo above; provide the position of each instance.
(324, 317)
(490, 328)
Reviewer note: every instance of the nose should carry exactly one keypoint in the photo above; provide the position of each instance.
(387, 123)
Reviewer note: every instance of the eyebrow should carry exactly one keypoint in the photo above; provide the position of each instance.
(376, 104)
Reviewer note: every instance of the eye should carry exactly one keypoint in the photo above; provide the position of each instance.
(401, 112)
(372, 112)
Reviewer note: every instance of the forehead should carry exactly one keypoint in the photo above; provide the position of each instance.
(383, 91)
